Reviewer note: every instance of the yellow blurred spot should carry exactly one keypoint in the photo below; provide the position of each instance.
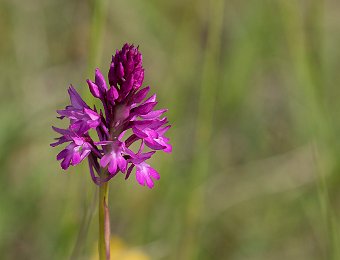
(121, 251)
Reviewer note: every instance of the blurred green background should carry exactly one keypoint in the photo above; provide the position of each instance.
(253, 92)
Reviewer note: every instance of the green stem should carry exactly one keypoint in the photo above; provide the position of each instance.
(104, 223)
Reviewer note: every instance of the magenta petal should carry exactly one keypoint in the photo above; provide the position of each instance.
(168, 148)
(121, 163)
(112, 94)
(154, 145)
(93, 115)
(149, 183)
(61, 140)
(146, 156)
(61, 131)
(120, 70)
(66, 162)
(112, 166)
(76, 158)
(104, 161)
(100, 81)
(139, 133)
(145, 108)
(139, 79)
(67, 113)
(84, 154)
(62, 154)
(144, 173)
(93, 88)
(78, 140)
(127, 151)
(75, 98)
(151, 99)
(140, 178)
(152, 134)
(154, 114)
(163, 130)
(154, 174)
(155, 124)
(127, 85)
(141, 94)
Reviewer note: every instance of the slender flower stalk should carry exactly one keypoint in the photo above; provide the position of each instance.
(104, 223)
(129, 130)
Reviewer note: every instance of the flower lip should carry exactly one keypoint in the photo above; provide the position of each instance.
(114, 159)
(73, 154)
(145, 174)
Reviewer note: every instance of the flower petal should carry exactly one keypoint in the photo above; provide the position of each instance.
(144, 109)
(100, 81)
(62, 154)
(93, 88)
(104, 161)
(141, 94)
(112, 166)
(154, 114)
(76, 158)
(66, 162)
(121, 163)
(75, 98)
(112, 94)
(154, 174)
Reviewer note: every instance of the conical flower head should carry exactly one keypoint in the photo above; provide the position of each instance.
(126, 70)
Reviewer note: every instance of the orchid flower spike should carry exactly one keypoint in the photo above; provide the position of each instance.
(125, 106)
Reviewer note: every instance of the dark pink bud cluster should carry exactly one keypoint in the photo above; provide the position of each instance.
(125, 107)
(126, 70)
